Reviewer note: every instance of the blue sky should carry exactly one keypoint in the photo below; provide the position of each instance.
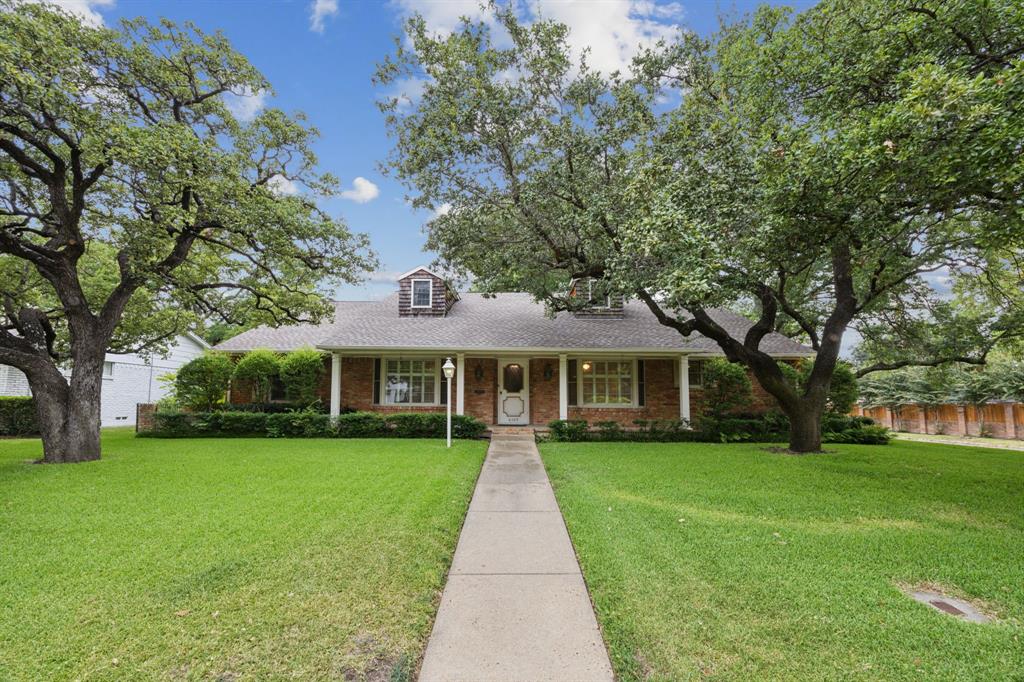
(320, 56)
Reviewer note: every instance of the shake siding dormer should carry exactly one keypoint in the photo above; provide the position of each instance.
(421, 293)
(600, 302)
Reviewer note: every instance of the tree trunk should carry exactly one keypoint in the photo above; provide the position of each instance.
(69, 412)
(805, 430)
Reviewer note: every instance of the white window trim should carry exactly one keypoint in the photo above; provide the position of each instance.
(580, 398)
(438, 377)
(691, 373)
(590, 297)
(412, 293)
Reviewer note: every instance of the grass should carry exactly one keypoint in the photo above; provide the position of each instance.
(227, 559)
(729, 562)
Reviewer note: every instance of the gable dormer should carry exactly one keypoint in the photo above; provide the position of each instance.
(422, 293)
(597, 298)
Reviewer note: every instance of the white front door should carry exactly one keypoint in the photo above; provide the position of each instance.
(513, 391)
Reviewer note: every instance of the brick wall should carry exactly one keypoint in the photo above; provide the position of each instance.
(481, 399)
(144, 417)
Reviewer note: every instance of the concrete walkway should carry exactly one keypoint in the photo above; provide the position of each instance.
(515, 606)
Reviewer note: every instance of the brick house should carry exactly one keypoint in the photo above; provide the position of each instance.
(515, 364)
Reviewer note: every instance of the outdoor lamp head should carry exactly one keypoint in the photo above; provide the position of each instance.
(448, 368)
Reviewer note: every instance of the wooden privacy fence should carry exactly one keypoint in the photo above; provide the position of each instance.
(998, 420)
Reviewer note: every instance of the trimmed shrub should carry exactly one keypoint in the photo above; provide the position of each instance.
(202, 382)
(310, 424)
(299, 425)
(18, 416)
(568, 430)
(772, 427)
(172, 424)
(361, 425)
(301, 371)
(241, 423)
(258, 367)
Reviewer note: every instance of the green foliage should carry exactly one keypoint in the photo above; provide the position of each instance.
(300, 371)
(771, 427)
(726, 387)
(818, 166)
(202, 382)
(299, 425)
(259, 368)
(568, 430)
(18, 416)
(843, 387)
(312, 424)
(361, 425)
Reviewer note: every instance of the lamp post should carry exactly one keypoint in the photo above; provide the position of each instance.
(449, 371)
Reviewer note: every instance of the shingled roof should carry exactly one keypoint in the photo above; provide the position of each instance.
(507, 322)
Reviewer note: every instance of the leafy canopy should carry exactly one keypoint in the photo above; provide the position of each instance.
(130, 193)
(818, 167)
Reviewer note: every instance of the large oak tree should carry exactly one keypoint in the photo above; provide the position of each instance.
(132, 202)
(812, 168)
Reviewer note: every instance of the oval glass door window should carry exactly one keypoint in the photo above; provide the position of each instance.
(512, 380)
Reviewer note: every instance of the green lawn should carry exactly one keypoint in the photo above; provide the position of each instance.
(732, 563)
(227, 559)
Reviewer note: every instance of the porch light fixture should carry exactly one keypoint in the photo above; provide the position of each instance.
(548, 372)
(449, 371)
(586, 366)
(479, 371)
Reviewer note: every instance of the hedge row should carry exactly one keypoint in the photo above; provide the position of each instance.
(18, 416)
(311, 425)
(768, 428)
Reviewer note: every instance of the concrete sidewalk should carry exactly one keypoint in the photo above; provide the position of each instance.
(515, 606)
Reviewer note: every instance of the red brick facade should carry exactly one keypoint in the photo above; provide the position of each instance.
(481, 390)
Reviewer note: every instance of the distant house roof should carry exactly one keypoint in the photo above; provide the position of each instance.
(507, 322)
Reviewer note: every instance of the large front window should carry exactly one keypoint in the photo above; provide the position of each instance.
(410, 382)
(606, 382)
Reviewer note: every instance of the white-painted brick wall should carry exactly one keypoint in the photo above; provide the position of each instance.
(134, 380)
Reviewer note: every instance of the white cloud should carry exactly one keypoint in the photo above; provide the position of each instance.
(611, 31)
(443, 209)
(614, 31)
(245, 106)
(362, 191)
(84, 9)
(282, 186)
(319, 10)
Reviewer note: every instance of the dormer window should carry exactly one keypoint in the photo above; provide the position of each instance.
(422, 293)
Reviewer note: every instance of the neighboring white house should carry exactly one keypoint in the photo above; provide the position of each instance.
(127, 379)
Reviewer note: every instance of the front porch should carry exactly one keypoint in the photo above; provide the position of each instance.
(518, 389)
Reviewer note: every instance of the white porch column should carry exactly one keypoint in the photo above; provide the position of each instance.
(684, 388)
(563, 386)
(460, 383)
(335, 384)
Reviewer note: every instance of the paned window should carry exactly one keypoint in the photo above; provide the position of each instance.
(606, 382)
(422, 292)
(410, 382)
